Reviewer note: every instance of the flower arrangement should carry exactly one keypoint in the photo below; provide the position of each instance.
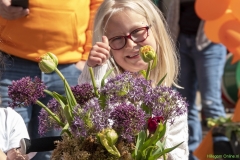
(225, 126)
(124, 119)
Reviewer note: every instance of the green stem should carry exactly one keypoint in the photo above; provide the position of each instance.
(68, 90)
(93, 81)
(148, 70)
(48, 92)
(54, 116)
(164, 157)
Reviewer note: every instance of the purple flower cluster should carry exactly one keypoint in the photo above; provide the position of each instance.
(129, 98)
(25, 91)
(165, 102)
(126, 87)
(83, 92)
(90, 117)
(128, 120)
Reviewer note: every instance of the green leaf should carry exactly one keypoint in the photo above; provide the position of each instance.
(140, 140)
(161, 80)
(60, 99)
(160, 148)
(146, 109)
(68, 114)
(105, 76)
(147, 152)
(69, 95)
(156, 156)
(65, 128)
(159, 133)
(93, 82)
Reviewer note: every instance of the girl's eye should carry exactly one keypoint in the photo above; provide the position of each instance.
(116, 39)
(138, 31)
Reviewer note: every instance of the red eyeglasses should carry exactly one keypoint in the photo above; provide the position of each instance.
(137, 35)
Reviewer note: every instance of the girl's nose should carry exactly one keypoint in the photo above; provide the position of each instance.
(130, 44)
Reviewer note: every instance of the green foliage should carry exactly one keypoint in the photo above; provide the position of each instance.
(228, 125)
(151, 147)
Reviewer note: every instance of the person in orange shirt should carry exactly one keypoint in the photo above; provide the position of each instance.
(58, 26)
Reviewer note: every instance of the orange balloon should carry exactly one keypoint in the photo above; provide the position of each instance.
(211, 9)
(229, 33)
(234, 6)
(211, 28)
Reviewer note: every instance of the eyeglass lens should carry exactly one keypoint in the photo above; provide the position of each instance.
(138, 35)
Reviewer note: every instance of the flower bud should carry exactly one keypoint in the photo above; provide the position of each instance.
(48, 62)
(111, 136)
(108, 137)
(153, 123)
(147, 53)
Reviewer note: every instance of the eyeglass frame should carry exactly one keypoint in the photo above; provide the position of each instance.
(129, 37)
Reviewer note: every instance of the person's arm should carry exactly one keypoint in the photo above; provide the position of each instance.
(99, 60)
(17, 128)
(3, 156)
(177, 133)
(17, 131)
(94, 4)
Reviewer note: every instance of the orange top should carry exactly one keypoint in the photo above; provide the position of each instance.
(62, 27)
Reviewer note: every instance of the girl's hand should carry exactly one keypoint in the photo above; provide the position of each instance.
(14, 154)
(99, 54)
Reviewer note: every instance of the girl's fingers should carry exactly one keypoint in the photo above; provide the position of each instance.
(103, 57)
(105, 40)
(100, 53)
(101, 48)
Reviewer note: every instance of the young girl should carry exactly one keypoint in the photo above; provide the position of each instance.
(121, 28)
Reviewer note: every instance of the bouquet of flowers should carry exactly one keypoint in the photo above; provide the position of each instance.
(123, 119)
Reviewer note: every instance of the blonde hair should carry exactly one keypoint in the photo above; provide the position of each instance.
(167, 57)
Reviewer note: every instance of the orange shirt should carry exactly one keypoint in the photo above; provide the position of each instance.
(62, 27)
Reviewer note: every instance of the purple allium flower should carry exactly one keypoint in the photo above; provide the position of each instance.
(25, 91)
(78, 127)
(46, 121)
(128, 120)
(43, 122)
(126, 87)
(116, 89)
(139, 88)
(165, 102)
(83, 92)
(90, 117)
